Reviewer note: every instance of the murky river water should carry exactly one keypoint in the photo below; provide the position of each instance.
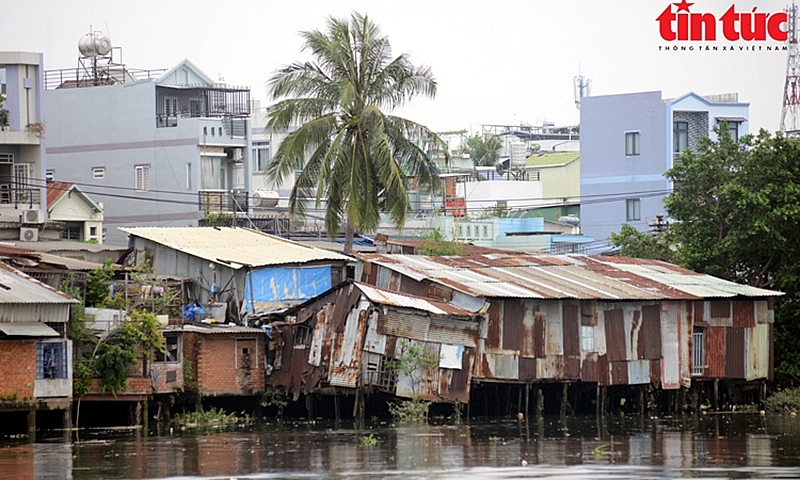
(711, 446)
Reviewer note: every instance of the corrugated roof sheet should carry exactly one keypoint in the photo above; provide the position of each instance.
(27, 329)
(564, 276)
(385, 297)
(217, 329)
(551, 159)
(234, 247)
(16, 287)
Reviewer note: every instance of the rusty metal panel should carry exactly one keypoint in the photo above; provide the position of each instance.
(346, 357)
(638, 372)
(758, 346)
(421, 383)
(320, 335)
(590, 367)
(714, 349)
(550, 367)
(413, 287)
(743, 314)
(391, 346)
(500, 366)
(454, 384)
(373, 341)
(761, 311)
(719, 313)
(495, 315)
(527, 368)
(589, 313)
(528, 329)
(571, 329)
(735, 353)
(572, 367)
(384, 277)
(513, 317)
(699, 312)
(440, 292)
(401, 324)
(554, 336)
(394, 282)
(670, 354)
(615, 335)
(453, 332)
(619, 373)
(650, 333)
(633, 325)
(539, 326)
(655, 371)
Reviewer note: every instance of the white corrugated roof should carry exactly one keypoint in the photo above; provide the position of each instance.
(234, 247)
(16, 287)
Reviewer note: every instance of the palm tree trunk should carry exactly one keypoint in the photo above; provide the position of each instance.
(349, 233)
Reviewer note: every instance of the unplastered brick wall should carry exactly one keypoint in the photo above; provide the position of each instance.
(220, 371)
(18, 364)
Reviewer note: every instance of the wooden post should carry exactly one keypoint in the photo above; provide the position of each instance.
(336, 408)
(642, 396)
(310, 406)
(32, 424)
(519, 400)
(67, 419)
(539, 402)
(527, 400)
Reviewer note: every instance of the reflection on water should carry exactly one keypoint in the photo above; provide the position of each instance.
(732, 446)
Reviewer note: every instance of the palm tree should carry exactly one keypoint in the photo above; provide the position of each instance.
(485, 152)
(352, 154)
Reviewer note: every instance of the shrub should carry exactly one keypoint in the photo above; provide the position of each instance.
(784, 401)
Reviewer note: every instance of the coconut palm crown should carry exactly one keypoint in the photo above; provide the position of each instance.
(353, 155)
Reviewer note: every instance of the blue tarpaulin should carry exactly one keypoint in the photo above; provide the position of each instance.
(274, 288)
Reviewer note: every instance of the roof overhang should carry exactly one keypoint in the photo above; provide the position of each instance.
(723, 118)
(32, 329)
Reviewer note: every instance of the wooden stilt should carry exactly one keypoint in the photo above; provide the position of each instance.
(336, 409)
(539, 402)
(642, 396)
(527, 400)
(564, 399)
(31, 424)
(310, 406)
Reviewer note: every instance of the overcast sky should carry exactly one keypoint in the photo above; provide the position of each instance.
(502, 62)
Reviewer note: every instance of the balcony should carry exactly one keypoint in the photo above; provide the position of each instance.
(222, 202)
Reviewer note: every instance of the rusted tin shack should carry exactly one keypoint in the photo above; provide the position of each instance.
(343, 340)
(605, 320)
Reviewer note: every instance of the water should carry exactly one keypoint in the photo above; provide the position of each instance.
(710, 446)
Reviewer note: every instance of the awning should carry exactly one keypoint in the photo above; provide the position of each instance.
(722, 118)
(34, 329)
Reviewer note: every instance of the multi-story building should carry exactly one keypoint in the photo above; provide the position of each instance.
(628, 141)
(156, 147)
(22, 129)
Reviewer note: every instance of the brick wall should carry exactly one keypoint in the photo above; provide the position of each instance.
(18, 364)
(219, 370)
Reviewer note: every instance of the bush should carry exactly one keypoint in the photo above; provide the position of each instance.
(784, 401)
(409, 410)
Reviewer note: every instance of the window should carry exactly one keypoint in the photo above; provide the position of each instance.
(631, 143)
(51, 360)
(246, 353)
(260, 156)
(680, 136)
(171, 105)
(212, 172)
(142, 177)
(302, 336)
(170, 353)
(98, 173)
(633, 212)
(698, 352)
(6, 158)
(485, 231)
(93, 231)
(733, 128)
(188, 175)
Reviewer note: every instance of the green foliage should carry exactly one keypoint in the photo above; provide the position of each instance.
(736, 214)
(212, 418)
(274, 397)
(113, 365)
(434, 244)
(97, 282)
(189, 377)
(784, 401)
(353, 154)
(218, 219)
(496, 211)
(82, 375)
(485, 151)
(633, 243)
(406, 411)
(369, 440)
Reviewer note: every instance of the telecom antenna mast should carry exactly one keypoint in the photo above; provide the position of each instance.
(583, 88)
(791, 90)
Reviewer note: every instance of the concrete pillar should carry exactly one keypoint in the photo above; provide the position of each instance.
(32, 423)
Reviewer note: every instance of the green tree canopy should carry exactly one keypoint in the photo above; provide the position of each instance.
(353, 155)
(485, 151)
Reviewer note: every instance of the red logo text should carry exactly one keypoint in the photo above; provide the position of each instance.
(682, 24)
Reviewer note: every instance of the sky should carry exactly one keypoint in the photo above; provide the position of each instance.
(496, 63)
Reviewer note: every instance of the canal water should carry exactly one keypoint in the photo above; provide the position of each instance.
(580, 447)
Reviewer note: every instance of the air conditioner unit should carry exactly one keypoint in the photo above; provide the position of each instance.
(237, 154)
(28, 234)
(32, 216)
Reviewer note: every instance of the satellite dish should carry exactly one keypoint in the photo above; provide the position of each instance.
(94, 44)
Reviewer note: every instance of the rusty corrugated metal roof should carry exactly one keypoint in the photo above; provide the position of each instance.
(234, 247)
(385, 297)
(17, 287)
(217, 329)
(564, 276)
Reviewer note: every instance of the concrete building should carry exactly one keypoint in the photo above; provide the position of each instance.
(22, 133)
(156, 147)
(628, 141)
(82, 216)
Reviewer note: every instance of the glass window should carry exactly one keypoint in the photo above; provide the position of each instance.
(631, 143)
(142, 180)
(680, 136)
(51, 360)
(733, 127)
(212, 173)
(587, 338)
(260, 156)
(633, 210)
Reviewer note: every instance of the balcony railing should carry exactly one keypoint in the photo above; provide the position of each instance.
(20, 197)
(221, 201)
